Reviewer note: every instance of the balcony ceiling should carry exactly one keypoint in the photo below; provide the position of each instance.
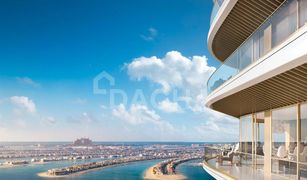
(245, 17)
(284, 89)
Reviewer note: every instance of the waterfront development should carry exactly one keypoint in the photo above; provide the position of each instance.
(69, 161)
(127, 90)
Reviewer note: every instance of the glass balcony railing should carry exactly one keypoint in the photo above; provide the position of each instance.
(216, 6)
(211, 152)
(278, 27)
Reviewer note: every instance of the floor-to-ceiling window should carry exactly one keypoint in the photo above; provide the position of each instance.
(246, 139)
(284, 141)
(303, 144)
(289, 141)
(302, 12)
(258, 125)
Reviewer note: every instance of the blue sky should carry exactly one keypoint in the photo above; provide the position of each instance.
(51, 51)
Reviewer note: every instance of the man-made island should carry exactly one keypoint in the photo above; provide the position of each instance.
(167, 169)
(163, 170)
(83, 168)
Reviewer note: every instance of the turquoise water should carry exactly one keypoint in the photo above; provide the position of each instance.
(129, 171)
(193, 171)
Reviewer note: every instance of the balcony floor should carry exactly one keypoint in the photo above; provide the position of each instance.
(245, 171)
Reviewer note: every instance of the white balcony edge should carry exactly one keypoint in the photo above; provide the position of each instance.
(216, 174)
(289, 54)
(221, 15)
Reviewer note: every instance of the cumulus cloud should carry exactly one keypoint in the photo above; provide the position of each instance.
(140, 114)
(151, 35)
(216, 124)
(168, 106)
(137, 114)
(188, 77)
(24, 102)
(175, 71)
(27, 81)
(217, 130)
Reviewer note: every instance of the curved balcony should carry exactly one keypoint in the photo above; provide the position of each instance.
(233, 21)
(216, 6)
(276, 29)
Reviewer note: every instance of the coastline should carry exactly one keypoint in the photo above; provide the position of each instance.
(46, 175)
(148, 174)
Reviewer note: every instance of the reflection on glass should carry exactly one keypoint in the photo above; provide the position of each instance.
(246, 53)
(246, 139)
(303, 12)
(216, 7)
(303, 171)
(259, 140)
(284, 168)
(303, 147)
(283, 23)
(284, 141)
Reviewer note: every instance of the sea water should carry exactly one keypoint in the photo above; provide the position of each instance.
(135, 170)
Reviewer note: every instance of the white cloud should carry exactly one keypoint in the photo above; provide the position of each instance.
(188, 77)
(27, 81)
(151, 35)
(24, 102)
(139, 114)
(175, 71)
(168, 106)
(218, 126)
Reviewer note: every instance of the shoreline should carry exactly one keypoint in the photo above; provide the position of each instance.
(46, 175)
(148, 174)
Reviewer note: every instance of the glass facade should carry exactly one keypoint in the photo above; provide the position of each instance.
(258, 123)
(216, 7)
(274, 30)
(288, 137)
(246, 140)
(303, 139)
(284, 22)
(303, 12)
(284, 141)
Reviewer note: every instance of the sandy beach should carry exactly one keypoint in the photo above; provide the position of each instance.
(149, 175)
(46, 175)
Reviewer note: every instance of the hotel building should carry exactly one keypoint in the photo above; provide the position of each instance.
(262, 45)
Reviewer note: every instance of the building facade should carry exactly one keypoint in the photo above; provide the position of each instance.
(263, 82)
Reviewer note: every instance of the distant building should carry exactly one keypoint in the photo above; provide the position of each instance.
(83, 142)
